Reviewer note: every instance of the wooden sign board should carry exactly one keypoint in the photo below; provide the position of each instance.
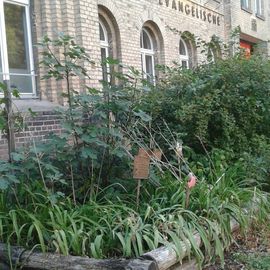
(156, 153)
(141, 167)
(143, 153)
(142, 162)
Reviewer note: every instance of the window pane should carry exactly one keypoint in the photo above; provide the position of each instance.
(184, 64)
(23, 83)
(17, 44)
(146, 41)
(149, 68)
(101, 33)
(182, 48)
(149, 64)
(259, 7)
(245, 3)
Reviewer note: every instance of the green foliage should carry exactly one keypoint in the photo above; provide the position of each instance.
(225, 104)
(91, 151)
(14, 93)
(75, 194)
(112, 227)
(68, 65)
(254, 261)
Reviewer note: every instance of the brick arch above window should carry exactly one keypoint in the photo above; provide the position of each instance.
(112, 8)
(150, 16)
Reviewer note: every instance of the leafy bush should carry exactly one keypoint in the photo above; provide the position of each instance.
(91, 152)
(226, 104)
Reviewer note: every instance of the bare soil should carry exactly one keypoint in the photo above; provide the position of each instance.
(250, 252)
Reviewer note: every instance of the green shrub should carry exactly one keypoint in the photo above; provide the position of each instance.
(91, 151)
(225, 105)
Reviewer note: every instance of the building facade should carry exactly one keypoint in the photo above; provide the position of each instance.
(140, 33)
(253, 19)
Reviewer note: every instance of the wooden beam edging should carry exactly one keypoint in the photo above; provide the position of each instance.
(51, 261)
(166, 258)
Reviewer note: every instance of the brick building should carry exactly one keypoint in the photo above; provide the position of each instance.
(140, 33)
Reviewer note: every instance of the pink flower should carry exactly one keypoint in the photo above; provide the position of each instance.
(191, 180)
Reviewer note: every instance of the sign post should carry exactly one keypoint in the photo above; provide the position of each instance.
(141, 168)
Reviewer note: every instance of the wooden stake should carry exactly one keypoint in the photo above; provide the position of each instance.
(187, 197)
(138, 193)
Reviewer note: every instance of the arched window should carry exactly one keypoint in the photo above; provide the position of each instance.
(110, 42)
(147, 56)
(104, 50)
(184, 54)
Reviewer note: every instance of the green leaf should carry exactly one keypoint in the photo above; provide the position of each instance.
(89, 153)
(4, 184)
(145, 117)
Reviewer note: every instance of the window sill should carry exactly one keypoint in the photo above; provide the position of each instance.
(248, 10)
(260, 16)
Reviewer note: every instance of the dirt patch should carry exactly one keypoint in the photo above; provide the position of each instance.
(250, 252)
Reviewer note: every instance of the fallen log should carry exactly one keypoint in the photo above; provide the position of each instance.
(166, 257)
(49, 261)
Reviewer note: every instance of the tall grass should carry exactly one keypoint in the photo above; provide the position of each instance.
(112, 227)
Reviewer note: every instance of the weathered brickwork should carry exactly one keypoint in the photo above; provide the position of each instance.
(36, 129)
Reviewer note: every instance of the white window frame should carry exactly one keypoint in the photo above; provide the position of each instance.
(4, 50)
(259, 7)
(104, 44)
(245, 4)
(148, 52)
(183, 57)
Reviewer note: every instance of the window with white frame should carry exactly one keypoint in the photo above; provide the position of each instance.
(245, 4)
(16, 56)
(147, 56)
(184, 55)
(259, 7)
(104, 50)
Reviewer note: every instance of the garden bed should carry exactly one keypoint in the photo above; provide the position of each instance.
(163, 258)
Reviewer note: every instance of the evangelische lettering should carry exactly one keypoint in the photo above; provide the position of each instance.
(193, 10)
